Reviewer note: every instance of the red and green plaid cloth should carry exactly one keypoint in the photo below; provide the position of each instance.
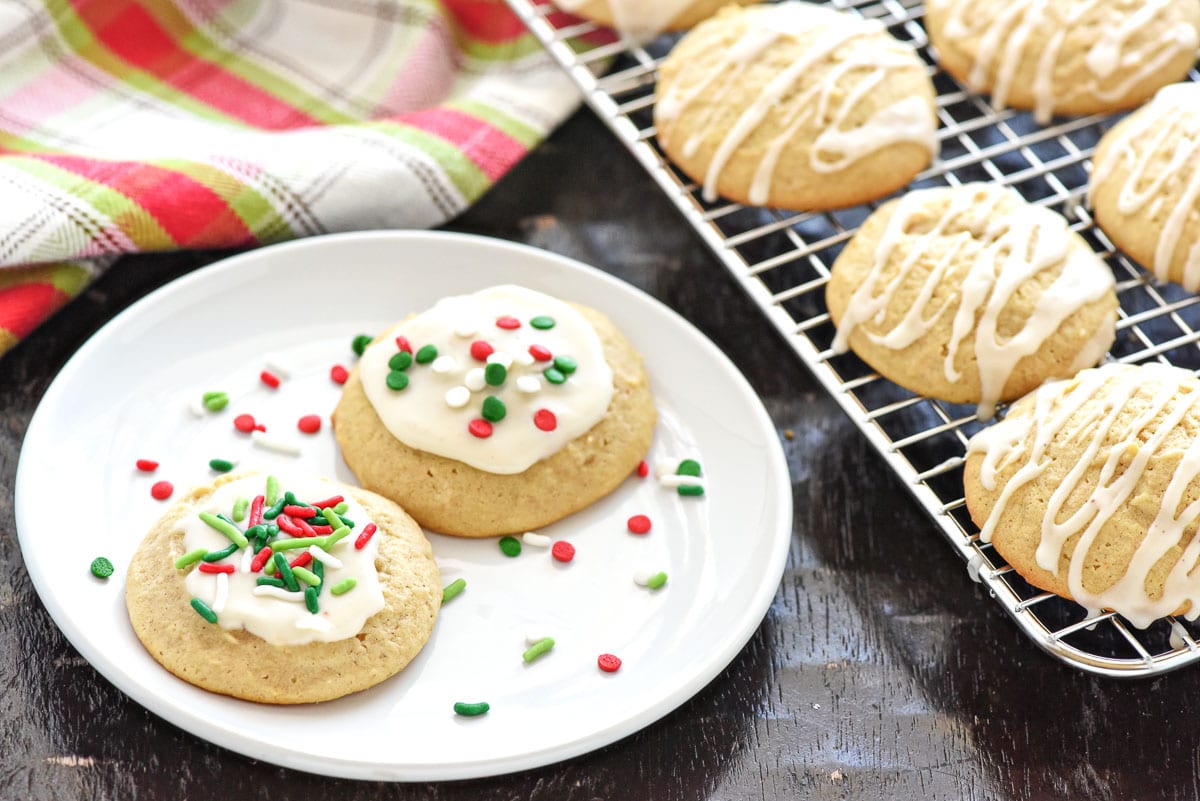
(138, 125)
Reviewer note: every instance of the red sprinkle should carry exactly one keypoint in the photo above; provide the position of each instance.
(301, 561)
(269, 378)
(305, 527)
(285, 524)
(563, 551)
(609, 663)
(256, 507)
(508, 323)
(260, 559)
(162, 490)
(209, 567)
(545, 420)
(328, 503)
(480, 350)
(147, 465)
(299, 511)
(323, 529)
(244, 423)
(403, 344)
(339, 374)
(260, 427)
(638, 524)
(643, 469)
(365, 537)
(309, 423)
(480, 428)
(541, 353)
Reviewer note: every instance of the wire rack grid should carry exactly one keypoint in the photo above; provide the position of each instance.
(782, 259)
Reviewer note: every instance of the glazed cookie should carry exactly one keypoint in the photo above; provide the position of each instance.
(1065, 56)
(1090, 488)
(1145, 186)
(646, 17)
(795, 105)
(971, 295)
(358, 607)
(497, 412)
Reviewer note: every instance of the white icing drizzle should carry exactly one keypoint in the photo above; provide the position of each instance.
(1013, 244)
(1121, 442)
(426, 416)
(278, 616)
(637, 17)
(1115, 65)
(864, 59)
(1169, 125)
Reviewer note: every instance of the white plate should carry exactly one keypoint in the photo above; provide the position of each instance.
(125, 395)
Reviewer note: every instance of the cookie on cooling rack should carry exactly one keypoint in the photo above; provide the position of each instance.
(1065, 56)
(646, 17)
(1089, 488)
(971, 295)
(212, 608)
(1145, 185)
(496, 412)
(795, 105)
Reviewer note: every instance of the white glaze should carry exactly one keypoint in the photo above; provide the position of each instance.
(1013, 246)
(421, 415)
(282, 618)
(638, 17)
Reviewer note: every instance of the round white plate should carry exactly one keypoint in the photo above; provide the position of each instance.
(126, 395)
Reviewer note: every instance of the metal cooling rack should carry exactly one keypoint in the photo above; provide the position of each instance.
(782, 260)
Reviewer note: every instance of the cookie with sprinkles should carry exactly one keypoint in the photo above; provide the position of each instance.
(526, 409)
(320, 589)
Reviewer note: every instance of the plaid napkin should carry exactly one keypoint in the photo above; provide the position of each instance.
(138, 125)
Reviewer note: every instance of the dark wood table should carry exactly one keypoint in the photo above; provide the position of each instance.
(881, 670)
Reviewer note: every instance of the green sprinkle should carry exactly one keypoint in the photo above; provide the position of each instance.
(318, 570)
(307, 576)
(510, 546)
(292, 500)
(272, 496)
(341, 507)
(495, 374)
(217, 556)
(426, 354)
(494, 409)
(397, 380)
(471, 710)
(331, 519)
(212, 395)
(542, 322)
(299, 542)
(204, 610)
(191, 557)
(269, 569)
(690, 489)
(228, 529)
(344, 586)
(215, 401)
(539, 648)
(264, 581)
(285, 572)
(656, 581)
(565, 364)
(220, 465)
(239, 509)
(331, 539)
(553, 375)
(258, 532)
(451, 590)
(401, 361)
(275, 510)
(310, 599)
(101, 567)
(688, 467)
(359, 343)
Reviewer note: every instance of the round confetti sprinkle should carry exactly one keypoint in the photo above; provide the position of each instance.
(553, 375)
(458, 397)
(480, 428)
(401, 361)
(359, 343)
(541, 353)
(510, 546)
(465, 329)
(426, 354)
(101, 567)
(690, 490)
(609, 663)
(471, 710)
(480, 350)
(565, 364)
(338, 374)
(147, 465)
(220, 465)
(397, 380)
(688, 467)
(269, 378)
(563, 551)
(545, 420)
(500, 357)
(444, 364)
(474, 379)
(162, 490)
(403, 344)
(309, 423)
(542, 322)
(508, 323)
(244, 423)
(529, 384)
(638, 524)
(643, 469)
(495, 374)
(494, 409)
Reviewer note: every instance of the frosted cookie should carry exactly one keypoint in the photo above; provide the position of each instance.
(646, 17)
(971, 295)
(216, 608)
(1145, 185)
(795, 105)
(497, 412)
(1065, 56)
(1090, 488)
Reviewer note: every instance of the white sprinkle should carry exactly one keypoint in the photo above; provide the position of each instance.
(268, 591)
(523, 358)
(218, 604)
(312, 622)
(465, 329)
(642, 577)
(277, 366)
(1179, 636)
(529, 384)
(247, 558)
(534, 636)
(679, 481)
(665, 467)
(324, 557)
(500, 357)
(475, 380)
(536, 540)
(973, 566)
(458, 397)
(196, 407)
(444, 364)
(262, 440)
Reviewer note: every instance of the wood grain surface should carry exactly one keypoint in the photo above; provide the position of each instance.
(881, 671)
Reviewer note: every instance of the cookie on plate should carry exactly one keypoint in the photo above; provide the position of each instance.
(646, 17)
(1145, 185)
(1065, 56)
(217, 613)
(1089, 488)
(497, 412)
(971, 295)
(795, 105)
